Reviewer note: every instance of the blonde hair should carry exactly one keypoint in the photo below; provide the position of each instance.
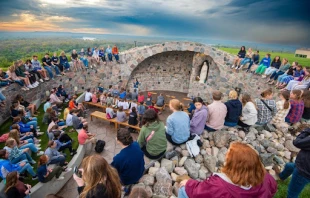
(14, 134)
(62, 53)
(176, 104)
(233, 94)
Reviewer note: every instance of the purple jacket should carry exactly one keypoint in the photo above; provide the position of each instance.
(199, 120)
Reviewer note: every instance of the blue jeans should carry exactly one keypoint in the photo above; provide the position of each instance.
(34, 123)
(230, 124)
(2, 97)
(110, 57)
(20, 82)
(27, 167)
(49, 71)
(31, 146)
(276, 74)
(58, 160)
(116, 57)
(23, 157)
(182, 193)
(245, 61)
(85, 61)
(28, 138)
(297, 183)
(209, 129)
(61, 123)
(4, 83)
(56, 69)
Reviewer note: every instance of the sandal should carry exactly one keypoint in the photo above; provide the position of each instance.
(271, 83)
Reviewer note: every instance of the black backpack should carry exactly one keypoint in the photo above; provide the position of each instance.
(99, 146)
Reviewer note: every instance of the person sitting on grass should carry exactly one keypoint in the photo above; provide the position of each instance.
(248, 180)
(77, 122)
(47, 104)
(199, 118)
(15, 154)
(15, 188)
(47, 174)
(152, 136)
(300, 170)
(54, 157)
(61, 145)
(6, 166)
(26, 127)
(239, 58)
(129, 162)
(24, 136)
(217, 112)
(121, 115)
(23, 144)
(263, 65)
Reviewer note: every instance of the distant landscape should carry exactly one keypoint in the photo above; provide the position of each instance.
(17, 45)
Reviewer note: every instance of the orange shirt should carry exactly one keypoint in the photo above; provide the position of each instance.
(114, 50)
(71, 105)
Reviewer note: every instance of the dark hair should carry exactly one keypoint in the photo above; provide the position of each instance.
(55, 119)
(306, 98)
(133, 109)
(50, 143)
(47, 54)
(56, 134)
(85, 126)
(268, 55)
(242, 49)
(141, 103)
(16, 119)
(88, 90)
(120, 108)
(88, 49)
(15, 126)
(217, 95)
(286, 96)
(238, 90)
(2, 153)
(257, 51)
(198, 99)
(266, 93)
(53, 196)
(149, 116)
(123, 135)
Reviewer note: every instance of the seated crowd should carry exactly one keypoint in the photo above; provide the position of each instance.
(30, 73)
(279, 73)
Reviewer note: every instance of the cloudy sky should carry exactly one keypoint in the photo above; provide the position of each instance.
(270, 21)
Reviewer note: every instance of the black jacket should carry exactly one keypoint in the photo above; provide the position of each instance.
(302, 162)
(234, 110)
(133, 119)
(98, 192)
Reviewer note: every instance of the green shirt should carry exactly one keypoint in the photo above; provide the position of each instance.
(284, 67)
(158, 143)
(19, 72)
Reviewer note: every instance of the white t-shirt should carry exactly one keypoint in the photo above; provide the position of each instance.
(69, 120)
(88, 96)
(124, 104)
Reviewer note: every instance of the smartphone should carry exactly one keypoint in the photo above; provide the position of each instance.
(77, 172)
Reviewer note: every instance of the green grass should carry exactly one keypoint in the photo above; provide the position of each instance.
(282, 190)
(5, 128)
(290, 56)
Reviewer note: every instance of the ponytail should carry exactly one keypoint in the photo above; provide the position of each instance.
(286, 96)
(176, 104)
(297, 93)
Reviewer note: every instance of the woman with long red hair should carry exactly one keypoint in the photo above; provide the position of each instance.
(243, 175)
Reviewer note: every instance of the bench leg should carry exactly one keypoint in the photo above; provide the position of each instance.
(115, 125)
(91, 118)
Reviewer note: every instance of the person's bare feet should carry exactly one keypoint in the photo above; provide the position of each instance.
(276, 169)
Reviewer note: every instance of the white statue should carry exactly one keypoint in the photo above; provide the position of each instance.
(203, 73)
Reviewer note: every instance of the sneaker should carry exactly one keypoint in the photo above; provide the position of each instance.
(73, 153)
(27, 88)
(23, 88)
(67, 170)
(171, 154)
(39, 148)
(60, 178)
(35, 177)
(33, 162)
(41, 80)
(34, 85)
(30, 87)
(52, 78)
(233, 66)
(38, 140)
(40, 133)
(40, 153)
(58, 75)
(38, 145)
(264, 76)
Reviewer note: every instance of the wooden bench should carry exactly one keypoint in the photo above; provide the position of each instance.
(103, 107)
(103, 116)
(130, 126)
(159, 108)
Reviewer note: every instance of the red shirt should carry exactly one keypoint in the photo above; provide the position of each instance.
(82, 137)
(141, 98)
(152, 107)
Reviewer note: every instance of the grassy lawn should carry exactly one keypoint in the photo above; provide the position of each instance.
(4, 128)
(290, 56)
(282, 190)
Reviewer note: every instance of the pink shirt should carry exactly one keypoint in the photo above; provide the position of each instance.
(54, 98)
(82, 136)
(216, 115)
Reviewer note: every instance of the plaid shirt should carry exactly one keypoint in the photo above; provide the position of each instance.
(264, 115)
(281, 113)
(15, 153)
(297, 109)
